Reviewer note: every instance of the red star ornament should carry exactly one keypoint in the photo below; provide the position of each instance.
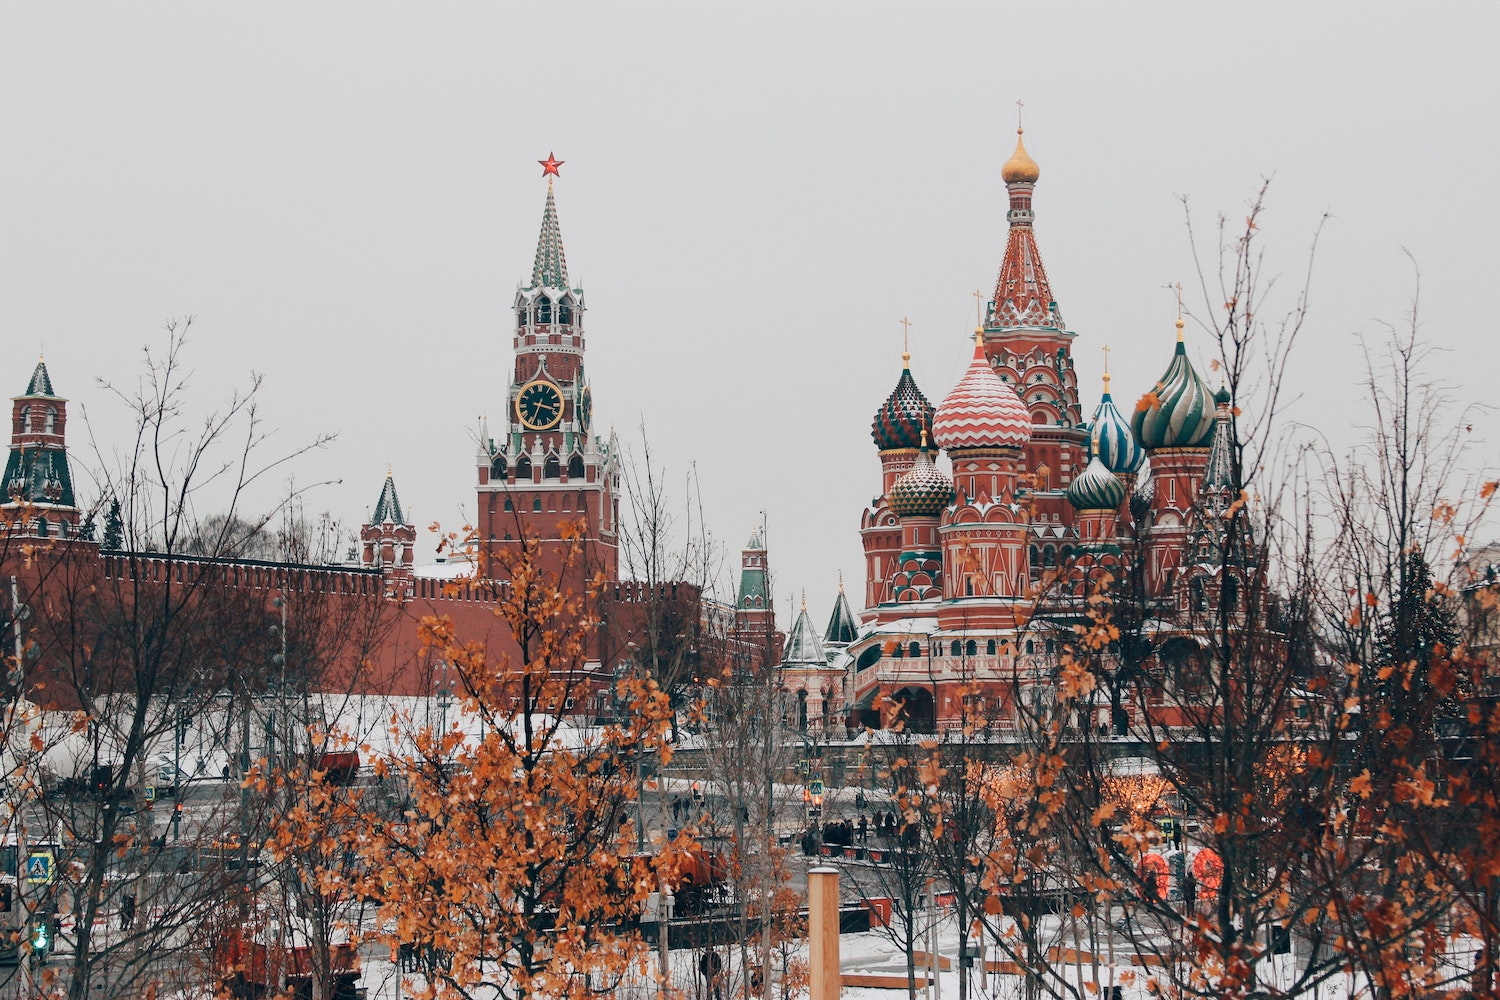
(550, 165)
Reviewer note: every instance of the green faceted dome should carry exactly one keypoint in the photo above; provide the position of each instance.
(1179, 413)
(1096, 488)
(923, 491)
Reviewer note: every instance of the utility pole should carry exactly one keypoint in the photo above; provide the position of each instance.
(18, 806)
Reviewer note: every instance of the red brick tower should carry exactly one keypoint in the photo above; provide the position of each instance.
(387, 542)
(1030, 346)
(547, 466)
(38, 485)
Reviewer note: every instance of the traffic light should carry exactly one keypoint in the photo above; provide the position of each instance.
(42, 934)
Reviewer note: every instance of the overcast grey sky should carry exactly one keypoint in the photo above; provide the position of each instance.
(345, 196)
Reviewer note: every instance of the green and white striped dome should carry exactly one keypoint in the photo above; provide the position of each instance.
(1096, 488)
(1179, 412)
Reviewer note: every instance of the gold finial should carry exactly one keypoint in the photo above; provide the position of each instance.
(804, 600)
(1178, 287)
(841, 581)
(905, 341)
(388, 470)
(924, 448)
(1020, 168)
(979, 336)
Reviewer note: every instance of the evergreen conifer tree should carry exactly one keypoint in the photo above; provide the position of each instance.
(114, 528)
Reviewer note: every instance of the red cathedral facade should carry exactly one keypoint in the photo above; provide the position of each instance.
(963, 565)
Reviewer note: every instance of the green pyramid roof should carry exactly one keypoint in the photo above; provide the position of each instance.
(388, 507)
(842, 628)
(41, 382)
(551, 267)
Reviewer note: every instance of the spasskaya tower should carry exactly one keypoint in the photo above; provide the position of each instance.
(545, 465)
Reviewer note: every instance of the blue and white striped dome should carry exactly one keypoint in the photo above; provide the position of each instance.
(1179, 412)
(1113, 442)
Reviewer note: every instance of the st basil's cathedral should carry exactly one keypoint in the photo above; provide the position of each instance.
(963, 567)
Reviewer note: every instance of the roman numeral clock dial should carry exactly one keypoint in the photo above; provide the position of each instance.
(539, 405)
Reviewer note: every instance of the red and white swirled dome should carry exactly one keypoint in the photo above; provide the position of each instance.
(981, 411)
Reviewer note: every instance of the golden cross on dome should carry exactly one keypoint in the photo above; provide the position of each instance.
(905, 339)
(1019, 108)
(979, 307)
(1178, 287)
(1106, 367)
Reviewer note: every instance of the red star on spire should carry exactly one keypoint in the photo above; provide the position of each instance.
(550, 165)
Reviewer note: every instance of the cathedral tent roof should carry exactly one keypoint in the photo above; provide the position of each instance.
(842, 627)
(803, 647)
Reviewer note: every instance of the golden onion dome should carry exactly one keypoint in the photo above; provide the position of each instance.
(1020, 167)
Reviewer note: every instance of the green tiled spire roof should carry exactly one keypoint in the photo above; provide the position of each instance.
(41, 382)
(842, 627)
(551, 267)
(38, 476)
(388, 508)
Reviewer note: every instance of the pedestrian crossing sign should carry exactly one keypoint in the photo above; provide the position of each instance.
(40, 869)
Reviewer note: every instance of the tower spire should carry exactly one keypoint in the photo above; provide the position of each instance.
(551, 267)
(1023, 295)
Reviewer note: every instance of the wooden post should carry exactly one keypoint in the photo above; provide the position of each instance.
(823, 931)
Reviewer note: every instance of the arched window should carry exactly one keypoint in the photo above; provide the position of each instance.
(1231, 592)
(509, 505)
(954, 649)
(523, 467)
(536, 505)
(802, 710)
(24, 424)
(551, 468)
(868, 658)
(914, 650)
(1030, 646)
(499, 467)
(41, 527)
(1067, 552)
(971, 648)
(544, 310)
(989, 648)
(899, 651)
(51, 420)
(1049, 646)
(575, 467)
(1195, 594)
(1049, 556)
(1036, 556)
(565, 311)
(521, 316)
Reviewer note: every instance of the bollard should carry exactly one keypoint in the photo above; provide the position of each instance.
(823, 932)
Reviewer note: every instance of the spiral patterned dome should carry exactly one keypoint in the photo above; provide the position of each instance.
(1115, 445)
(903, 416)
(1181, 414)
(923, 491)
(1096, 488)
(981, 411)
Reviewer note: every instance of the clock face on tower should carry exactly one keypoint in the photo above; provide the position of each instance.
(539, 405)
(585, 408)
